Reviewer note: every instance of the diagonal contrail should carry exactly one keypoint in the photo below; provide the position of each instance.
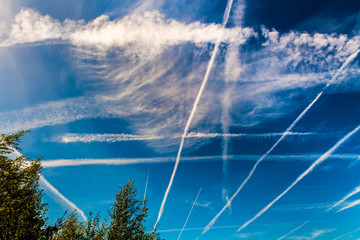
(355, 191)
(294, 230)
(350, 205)
(187, 126)
(358, 229)
(55, 191)
(287, 131)
(189, 214)
(315, 164)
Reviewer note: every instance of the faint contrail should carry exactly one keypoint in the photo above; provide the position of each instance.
(189, 214)
(147, 180)
(317, 162)
(346, 63)
(358, 229)
(187, 126)
(294, 230)
(55, 191)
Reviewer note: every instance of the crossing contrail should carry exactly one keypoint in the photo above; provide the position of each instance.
(189, 214)
(284, 134)
(315, 164)
(187, 126)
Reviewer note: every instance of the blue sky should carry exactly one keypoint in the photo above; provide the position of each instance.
(264, 96)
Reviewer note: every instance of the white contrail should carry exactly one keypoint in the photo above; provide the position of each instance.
(189, 214)
(350, 205)
(317, 162)
(346, 63)
(112, 137)
(187, 126)
(55, 191)
(129, 161)
(294, 230)
(58, 194)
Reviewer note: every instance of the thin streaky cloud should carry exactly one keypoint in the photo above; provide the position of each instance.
(284, 134)
(187, 219)
(109, 137)
(315, 164)
(193, 111)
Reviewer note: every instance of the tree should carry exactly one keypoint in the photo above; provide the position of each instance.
(22, 213)
(127, 216)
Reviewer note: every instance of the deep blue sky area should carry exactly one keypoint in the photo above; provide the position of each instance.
(109, 88)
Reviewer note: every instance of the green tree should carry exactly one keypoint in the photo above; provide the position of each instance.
(127, 216)
(22, 212)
